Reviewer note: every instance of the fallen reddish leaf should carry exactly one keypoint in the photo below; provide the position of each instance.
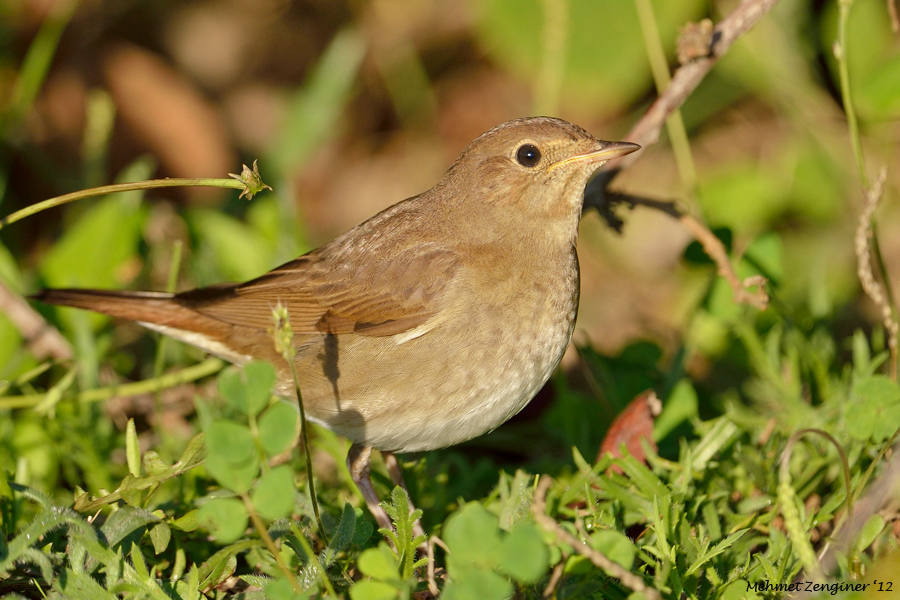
(631, 426)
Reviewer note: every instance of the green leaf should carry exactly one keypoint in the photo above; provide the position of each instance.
(342, 536)
(716, 550)
(362, 533)
(192, 456)
(140, 565)
(873, 526)
(862, 357)
(273, 496)
(281, 589)
(279, 426)
(680, 406)
(721, 434)
(125, 522)
(260, 376)
(647, 482)
(81, 586)
(248, 389)
(153, 464)
(615, 545)
(471, 582)
(232, 458)
(739, 590)
(160, 535)
(473, 536)
(220, 565)
(226, 519)
(523, 554)
(874, 408)
(379, 563)
(221, 572)
(230, 441)
(373, 590)
(188, 521)
(403, 534)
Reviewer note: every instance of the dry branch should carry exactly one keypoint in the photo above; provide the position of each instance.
(647, 130)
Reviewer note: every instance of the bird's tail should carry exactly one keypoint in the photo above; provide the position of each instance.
(151, 307)
(163, 313)
(157, 310)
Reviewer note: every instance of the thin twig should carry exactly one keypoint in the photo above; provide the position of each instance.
(628, 579)
(711, 245)
(688, 77)
(283, 336)
(716, 250)
(840, 54)
(555, 576)
(146, 386)
(787, 497)
(678, 136)
(432, 582)
(892, 11)
(270, 543)
(41, 338)
(647, 130)
(553, 56)
(248, 181)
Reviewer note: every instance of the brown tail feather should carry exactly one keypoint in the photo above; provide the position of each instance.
(148, 307)
(171, 315)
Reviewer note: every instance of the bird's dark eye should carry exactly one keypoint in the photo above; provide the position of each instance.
(528, 155)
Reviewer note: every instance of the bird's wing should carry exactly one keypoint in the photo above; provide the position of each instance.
(378, 296)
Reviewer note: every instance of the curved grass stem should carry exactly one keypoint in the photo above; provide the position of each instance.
(249, 182)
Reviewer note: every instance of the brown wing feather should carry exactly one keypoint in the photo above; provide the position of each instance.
(385, 296)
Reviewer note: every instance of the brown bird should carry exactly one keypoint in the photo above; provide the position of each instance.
(427, 325)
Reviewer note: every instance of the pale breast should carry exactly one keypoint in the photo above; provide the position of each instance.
(469, 372)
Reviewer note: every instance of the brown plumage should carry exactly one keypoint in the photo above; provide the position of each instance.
(431, 323)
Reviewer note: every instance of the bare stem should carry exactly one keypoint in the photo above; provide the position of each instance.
(628, 579)
(248, 181)
(686, 79)
(553, 58)
(270, 543)
(659, 66)
(787, 500)
(840, 53)
(147, 386)
(283, 336)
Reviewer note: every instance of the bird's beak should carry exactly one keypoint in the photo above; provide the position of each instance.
(609, 151)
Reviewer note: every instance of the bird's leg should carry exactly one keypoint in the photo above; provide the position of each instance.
(393, 467)
(358, 461)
